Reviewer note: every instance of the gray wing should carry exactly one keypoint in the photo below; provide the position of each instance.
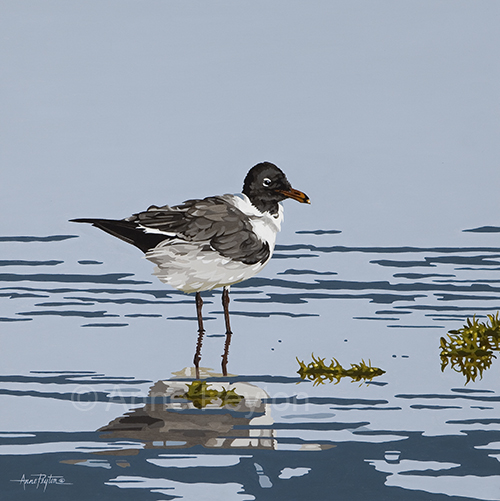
(213, 220)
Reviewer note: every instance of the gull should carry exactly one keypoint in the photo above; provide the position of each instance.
(218, 241)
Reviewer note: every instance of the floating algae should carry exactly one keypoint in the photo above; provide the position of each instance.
(318, 372)
(469, 350)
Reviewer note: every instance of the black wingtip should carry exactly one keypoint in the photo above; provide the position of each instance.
(126, 231)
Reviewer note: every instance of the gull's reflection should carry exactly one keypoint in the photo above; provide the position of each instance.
(182, 414)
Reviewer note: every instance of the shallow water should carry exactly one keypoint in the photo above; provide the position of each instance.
(96, 354)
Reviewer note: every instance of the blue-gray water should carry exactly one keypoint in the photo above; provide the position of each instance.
(94, 349)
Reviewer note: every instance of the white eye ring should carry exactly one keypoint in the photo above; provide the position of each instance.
(266, 181)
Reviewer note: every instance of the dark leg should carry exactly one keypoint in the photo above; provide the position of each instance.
(225, 305)
(201, 331)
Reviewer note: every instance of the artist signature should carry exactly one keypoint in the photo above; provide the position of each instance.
(41, 480)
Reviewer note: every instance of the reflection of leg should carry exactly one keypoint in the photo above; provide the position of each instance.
(225, 305)
(201, 331)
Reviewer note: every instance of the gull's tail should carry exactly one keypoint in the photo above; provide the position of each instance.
(127, 231)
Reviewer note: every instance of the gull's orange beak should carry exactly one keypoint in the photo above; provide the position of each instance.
(296, 195)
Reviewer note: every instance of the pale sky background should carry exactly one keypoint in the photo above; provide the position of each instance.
(386, 113)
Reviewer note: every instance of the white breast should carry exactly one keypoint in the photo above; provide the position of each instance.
(265, 225)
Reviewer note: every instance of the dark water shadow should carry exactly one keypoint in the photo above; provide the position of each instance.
(318, 232)
(108, 278)
(26, 239)
(19, 262)
(385, 250)
(484, 229)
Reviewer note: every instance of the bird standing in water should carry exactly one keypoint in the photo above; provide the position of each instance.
(212, 242)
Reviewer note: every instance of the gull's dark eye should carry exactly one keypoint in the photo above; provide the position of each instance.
(266, 181)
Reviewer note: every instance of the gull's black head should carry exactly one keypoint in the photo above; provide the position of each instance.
(266, 185)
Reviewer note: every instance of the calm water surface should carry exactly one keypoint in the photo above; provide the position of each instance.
(96, 358)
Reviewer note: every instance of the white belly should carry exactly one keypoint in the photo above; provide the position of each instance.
(189, 268)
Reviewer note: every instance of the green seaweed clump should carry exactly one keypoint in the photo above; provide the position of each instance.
(469, 350)
(319, 372)
(201, 396)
